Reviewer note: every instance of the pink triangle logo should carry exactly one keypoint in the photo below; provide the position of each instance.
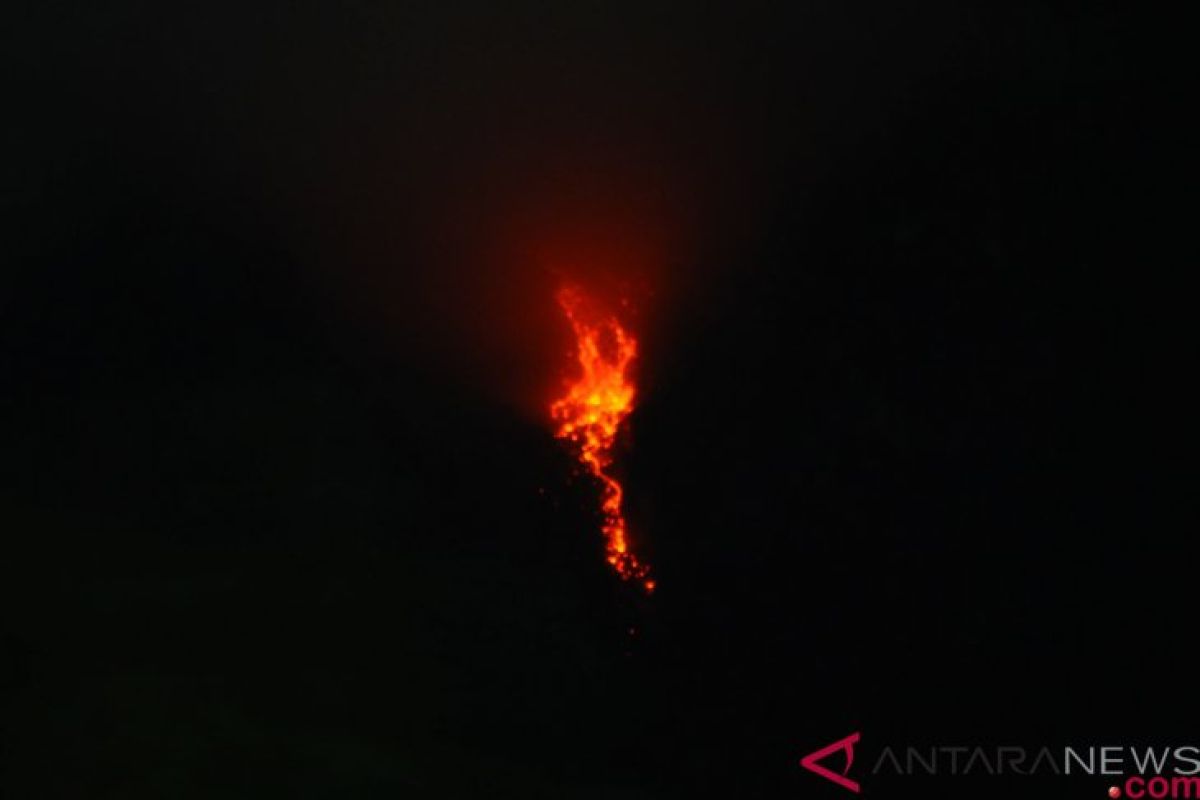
(809, 762)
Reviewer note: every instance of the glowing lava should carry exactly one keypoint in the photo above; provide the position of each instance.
(590, 414)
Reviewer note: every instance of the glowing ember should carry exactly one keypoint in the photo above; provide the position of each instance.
(590, 414)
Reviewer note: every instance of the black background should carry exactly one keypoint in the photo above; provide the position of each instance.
(278, 520)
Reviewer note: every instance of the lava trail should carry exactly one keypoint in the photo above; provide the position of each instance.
(589, 416)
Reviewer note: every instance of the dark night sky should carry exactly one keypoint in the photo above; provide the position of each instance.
(282, 515)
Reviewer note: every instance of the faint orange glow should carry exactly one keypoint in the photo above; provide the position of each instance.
(589, 416)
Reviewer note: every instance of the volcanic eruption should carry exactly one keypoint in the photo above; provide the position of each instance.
(590, 414)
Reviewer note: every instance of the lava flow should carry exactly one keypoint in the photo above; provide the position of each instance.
(589, 417)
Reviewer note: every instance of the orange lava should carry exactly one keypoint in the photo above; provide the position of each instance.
(589, 416)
